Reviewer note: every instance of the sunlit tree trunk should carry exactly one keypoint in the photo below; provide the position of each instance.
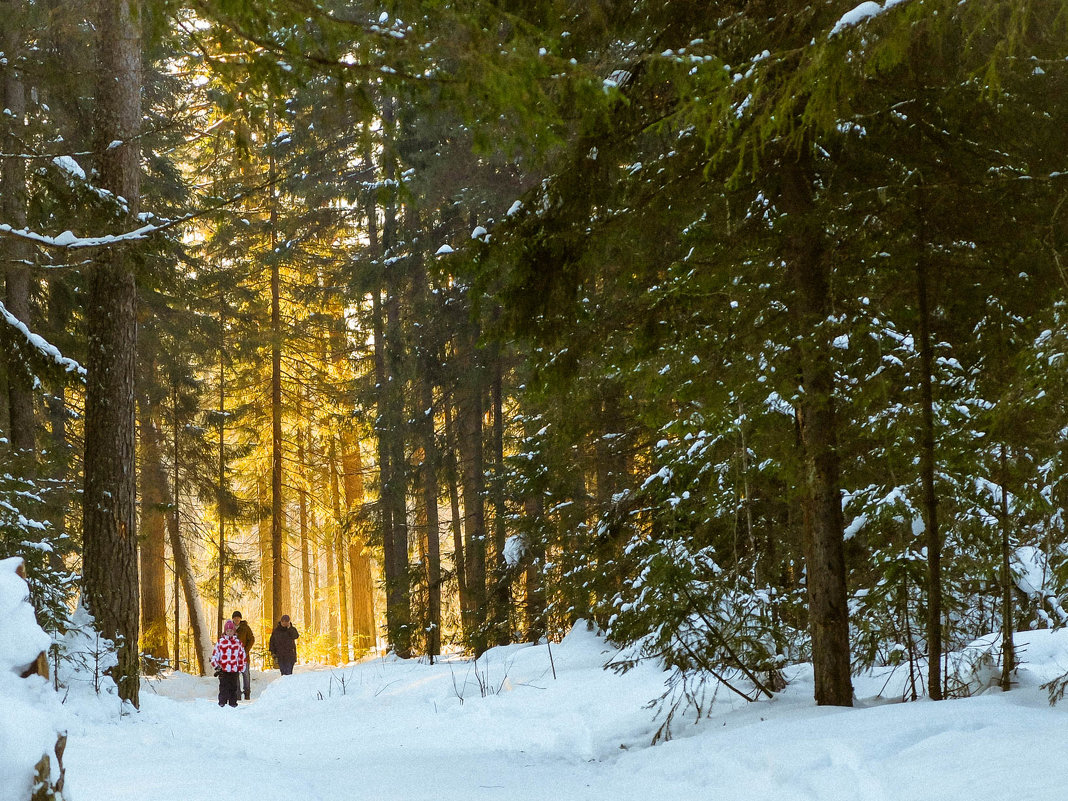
(154, 502)
(337, 544)
(502, 575)
(263, 531)
(305, 560)
(456, 524)
(533, 579)
(363, 609)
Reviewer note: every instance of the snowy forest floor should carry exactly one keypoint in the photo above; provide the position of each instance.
(389, 729)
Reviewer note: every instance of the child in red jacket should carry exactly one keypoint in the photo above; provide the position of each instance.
(229, 659)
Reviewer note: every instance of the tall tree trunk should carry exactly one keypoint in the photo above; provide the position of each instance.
(502, 573)
(433, 539)
(397, 581)
(154, 502)
(305, 561)
(331, 601)
(337, 544)
(60, 299)
(458, 559)
(15, 253)
(277, 537)
(389, 423)
(109, 556)
(363, 608)
(825, 557)
(1008, 650)
(469, 423)
(197, 620)
(927, 474)
(427, 433)
(610, 470)
(533, 579)
(220, 502)
(263, 536)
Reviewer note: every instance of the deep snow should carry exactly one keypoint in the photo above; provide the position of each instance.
(389, 729)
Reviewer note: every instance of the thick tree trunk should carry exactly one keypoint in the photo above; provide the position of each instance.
(110, 541)
(469, 424)
(153, 536)
(425, 416)
(825, 557)
(397, 581)
(15, 253)
(927, 478)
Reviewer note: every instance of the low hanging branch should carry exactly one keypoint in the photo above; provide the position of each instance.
(42, 345)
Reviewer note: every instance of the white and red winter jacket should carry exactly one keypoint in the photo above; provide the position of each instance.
(229, 655)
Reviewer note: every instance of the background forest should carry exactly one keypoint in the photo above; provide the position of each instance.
(735, 328)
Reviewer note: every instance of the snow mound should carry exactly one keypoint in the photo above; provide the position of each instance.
(30, 707)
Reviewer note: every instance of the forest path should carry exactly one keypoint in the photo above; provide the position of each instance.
(385, 729)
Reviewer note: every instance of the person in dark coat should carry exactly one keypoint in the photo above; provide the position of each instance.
(248, 639)
(283, 645)
(229, 660)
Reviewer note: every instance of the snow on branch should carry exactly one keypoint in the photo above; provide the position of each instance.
(40, 344)
(68, 241)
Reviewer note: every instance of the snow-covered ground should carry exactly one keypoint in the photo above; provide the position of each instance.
(388, 729)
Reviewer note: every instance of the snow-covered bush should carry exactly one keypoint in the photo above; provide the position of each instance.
(30, 745)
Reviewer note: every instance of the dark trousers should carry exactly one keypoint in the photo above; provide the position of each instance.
(229, 688)
(246, 681)
(286, 666)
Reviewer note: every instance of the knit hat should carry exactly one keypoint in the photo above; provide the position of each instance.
(229, 627)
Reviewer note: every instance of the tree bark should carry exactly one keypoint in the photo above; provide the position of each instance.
(194, 610)
(825, 557)
(469, 423)
(927, 475)
(337, 544)
(459, 563)
(154, 502)
(110, 542)
(1008, 650)
(502, 574)
(15, 253)
(263, 536)
(533, 581)
(305, 561)
(363, 603)
(277, 555)
(220, 502)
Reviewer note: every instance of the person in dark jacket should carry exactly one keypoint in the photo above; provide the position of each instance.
(229, 660)
(283, 645)
(248, 639)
